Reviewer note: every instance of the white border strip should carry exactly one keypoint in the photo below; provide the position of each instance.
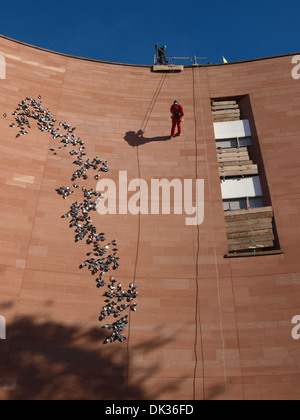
(2, 67)
(31, 63)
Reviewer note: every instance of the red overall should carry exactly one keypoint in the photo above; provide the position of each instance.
(177, 115)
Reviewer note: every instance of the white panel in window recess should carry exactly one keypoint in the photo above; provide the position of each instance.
(241, 187)
(232, 129)
(226, 144)
(234, 143)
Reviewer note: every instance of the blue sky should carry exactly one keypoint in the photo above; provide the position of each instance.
(127, 31)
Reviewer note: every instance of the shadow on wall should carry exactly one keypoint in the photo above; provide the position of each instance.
(50, 361)
(135, 139)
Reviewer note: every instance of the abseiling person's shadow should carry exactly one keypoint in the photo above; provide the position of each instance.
(135, 139)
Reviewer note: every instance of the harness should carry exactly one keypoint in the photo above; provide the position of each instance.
(178, 112)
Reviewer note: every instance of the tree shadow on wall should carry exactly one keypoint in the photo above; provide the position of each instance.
(50, 361)
(135, 139)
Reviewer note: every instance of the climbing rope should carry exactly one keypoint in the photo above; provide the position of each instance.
(213, 234)
(198, 321)
(141, 130)
(152, 103)
(173, 81)
(196, 251)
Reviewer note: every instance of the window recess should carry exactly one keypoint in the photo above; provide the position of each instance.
(250, 224)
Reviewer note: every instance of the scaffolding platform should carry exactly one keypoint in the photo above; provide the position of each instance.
(170, 67)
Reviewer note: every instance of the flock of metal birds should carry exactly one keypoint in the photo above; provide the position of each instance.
(100, 260)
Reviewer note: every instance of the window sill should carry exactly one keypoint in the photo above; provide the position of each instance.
(253, 254)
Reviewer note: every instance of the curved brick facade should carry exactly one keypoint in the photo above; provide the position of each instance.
(237, 311)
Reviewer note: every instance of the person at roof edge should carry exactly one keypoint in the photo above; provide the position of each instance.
(162, 55)
(177, 112)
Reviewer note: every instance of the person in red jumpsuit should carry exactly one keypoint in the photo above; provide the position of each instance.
(177, 112)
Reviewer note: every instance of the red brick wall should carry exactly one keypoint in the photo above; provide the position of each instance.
(238, 310)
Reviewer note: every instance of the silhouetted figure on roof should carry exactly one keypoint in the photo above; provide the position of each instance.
(162, 55)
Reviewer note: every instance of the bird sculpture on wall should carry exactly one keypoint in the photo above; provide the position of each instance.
(103, 256)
